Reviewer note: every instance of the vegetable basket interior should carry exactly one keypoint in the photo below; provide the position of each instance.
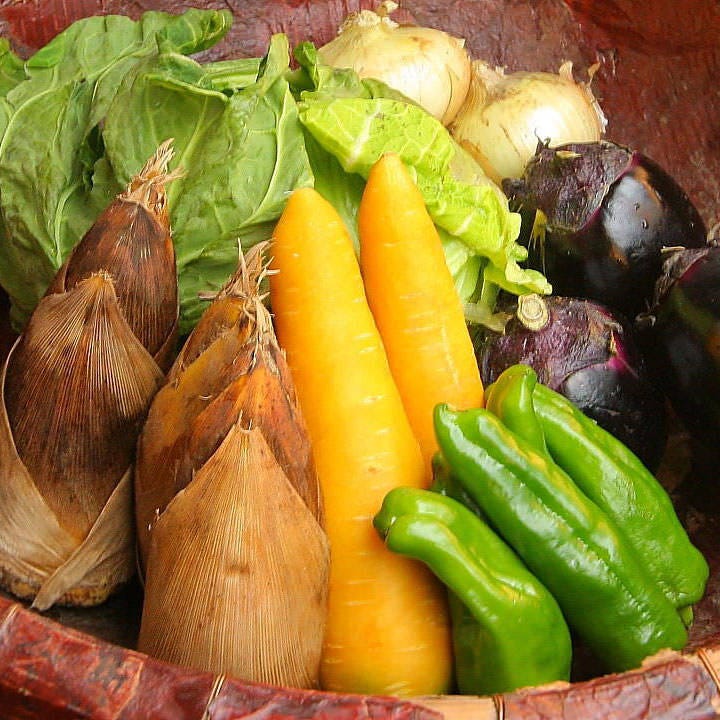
(652, 67)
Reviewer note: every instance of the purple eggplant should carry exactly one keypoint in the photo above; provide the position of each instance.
(581, 349)
(680, 338)
(606, 214)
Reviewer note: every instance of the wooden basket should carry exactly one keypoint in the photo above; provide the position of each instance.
(657, 84)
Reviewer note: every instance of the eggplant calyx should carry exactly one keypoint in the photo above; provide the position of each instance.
(676, 262)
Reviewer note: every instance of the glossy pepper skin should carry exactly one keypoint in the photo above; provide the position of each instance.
(446, 484)
(616, 480)
(606, 593)
(510, 398)
(508, 630)
(610, 474)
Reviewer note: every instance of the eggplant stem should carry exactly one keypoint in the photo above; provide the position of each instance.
(532, 311)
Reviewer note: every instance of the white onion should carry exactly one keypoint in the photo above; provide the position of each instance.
(505, 116)
(428, 66)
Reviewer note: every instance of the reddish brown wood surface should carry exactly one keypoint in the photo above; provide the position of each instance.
(659, 691)
(49, 671)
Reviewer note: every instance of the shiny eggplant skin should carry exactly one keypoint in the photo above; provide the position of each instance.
(591, 356)
(680, 338)
(608, 214)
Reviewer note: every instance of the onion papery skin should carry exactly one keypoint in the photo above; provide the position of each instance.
(506, 116)
(427, 65)
(609, 214)
(590, 356)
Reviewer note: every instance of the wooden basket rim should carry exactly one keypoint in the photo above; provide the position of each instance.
(92, 678)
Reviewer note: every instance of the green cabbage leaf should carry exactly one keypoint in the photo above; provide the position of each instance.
(82, 116)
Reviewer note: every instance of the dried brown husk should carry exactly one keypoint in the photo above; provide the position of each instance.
(75, 389)
(132, 240)
(228, 504)
(229, 368)
(237, 572)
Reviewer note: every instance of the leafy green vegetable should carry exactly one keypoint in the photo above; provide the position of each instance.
(341, 188)
(357, 124)
(11, 68)
(332, 83)
(242, 152)
(229, 75)
(47, 129)
(359, 130)
(83, 115)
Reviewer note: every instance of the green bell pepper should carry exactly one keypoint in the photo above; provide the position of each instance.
(611, 475)
(445, 484)
(508, 631)
(510, 397)
(606, 593)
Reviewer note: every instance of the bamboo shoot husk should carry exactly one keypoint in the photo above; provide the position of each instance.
(226, 591)
(132, 241)
(208, 378)
(162, 444)
(76, 389)
(228, 504)
(66, 524)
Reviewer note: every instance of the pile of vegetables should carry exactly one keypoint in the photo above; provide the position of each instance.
(369, 417)
(571, 505)
(245, 132)
(297, 320)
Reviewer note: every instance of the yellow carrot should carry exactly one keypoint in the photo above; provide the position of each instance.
(387, 629)
(412, 296)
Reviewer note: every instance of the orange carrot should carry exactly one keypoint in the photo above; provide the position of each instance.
(387, 630)
(412, 296)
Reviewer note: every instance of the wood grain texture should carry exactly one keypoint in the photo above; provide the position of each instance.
(48, 670)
